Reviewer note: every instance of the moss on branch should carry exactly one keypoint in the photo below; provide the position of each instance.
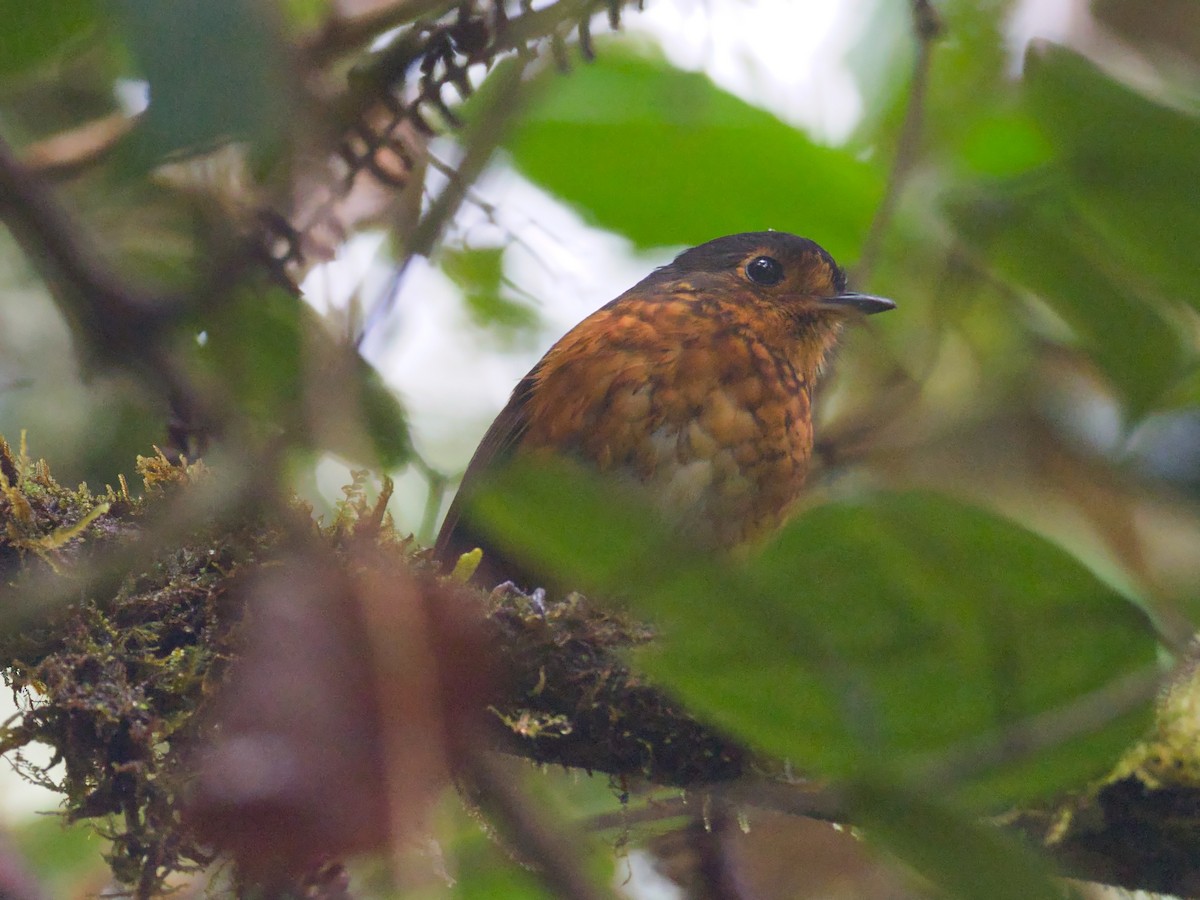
(114, 675)
(114, 681)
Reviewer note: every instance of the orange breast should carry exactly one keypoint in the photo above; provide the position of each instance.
(700, 404)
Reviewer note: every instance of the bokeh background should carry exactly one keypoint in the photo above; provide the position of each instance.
(1023, 184)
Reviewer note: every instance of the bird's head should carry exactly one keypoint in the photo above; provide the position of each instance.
(775, 277)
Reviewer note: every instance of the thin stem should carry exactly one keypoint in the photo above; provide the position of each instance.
(341, 34)
(551, 849)
(927, 27)
(485, 138)
(1038, 733)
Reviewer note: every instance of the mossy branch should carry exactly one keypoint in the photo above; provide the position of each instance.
(120, 685)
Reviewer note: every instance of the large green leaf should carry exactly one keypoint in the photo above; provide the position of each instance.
(1131, 161)
(925, 623)
(665, 157)
(868, 637)
(1039, 239)
(217, 72)
(32, 33)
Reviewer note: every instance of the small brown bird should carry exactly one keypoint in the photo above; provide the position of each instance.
(696, 383)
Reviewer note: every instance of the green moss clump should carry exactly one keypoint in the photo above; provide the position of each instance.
(110, 677)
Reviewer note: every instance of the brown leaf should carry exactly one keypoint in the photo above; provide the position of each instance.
(332, 735)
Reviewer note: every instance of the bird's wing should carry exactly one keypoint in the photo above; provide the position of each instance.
(457, 536)
(590, 355)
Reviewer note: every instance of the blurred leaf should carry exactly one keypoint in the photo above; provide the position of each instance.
(310, 13)
(34, 32)
(289, 374)
(1005, 144)
(1037, 239)
(685, 162)
(329, 782)
(1129, 159)
(383, 418)
(868, 637)
(563, 519)
(479, 274)
(253, 344)
(925, 603)
(217, 72)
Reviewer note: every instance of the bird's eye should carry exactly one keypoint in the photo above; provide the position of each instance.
(765, 270)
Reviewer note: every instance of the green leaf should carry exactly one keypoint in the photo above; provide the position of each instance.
(479, 273)
(665, 157)
(253, 345)
(306, 14)
(34, 32)
(217, 72)
(290, 375)
(1130, 160)
(481, 872)
(65, 858)
(871, 637)
(560, 518)
(1104, 233)
(936, 623)
(1038, 239)
(1006, 143)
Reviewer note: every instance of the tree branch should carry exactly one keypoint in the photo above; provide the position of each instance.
(551, 850)
(88, 293)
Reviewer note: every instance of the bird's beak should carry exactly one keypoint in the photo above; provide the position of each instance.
(867, 304)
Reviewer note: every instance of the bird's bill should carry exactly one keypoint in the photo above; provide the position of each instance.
(867, 304)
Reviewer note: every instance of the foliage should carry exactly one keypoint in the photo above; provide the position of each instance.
(997, 557)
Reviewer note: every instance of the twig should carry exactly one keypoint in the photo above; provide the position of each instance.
(340, 34)
(653, 811)
(927, 27)
(71, 152)
(812, 800)
(1044, 731)
(484, 139)
(551, 849)
(86, 290)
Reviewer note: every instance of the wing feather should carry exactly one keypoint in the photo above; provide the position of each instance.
(457, 535)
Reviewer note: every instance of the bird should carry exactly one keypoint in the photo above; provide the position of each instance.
(696, 385)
